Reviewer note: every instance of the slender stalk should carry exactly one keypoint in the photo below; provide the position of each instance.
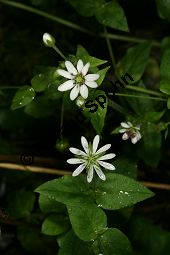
(59, 52)
(46, 15)
(75, 26)
(145, 97)
(61, 119)
(143, 90)
(110, 48)
(130, 39)
(9, 87)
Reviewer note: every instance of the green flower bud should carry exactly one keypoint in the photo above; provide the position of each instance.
(62, 145)
(80, 101)
(48, 40)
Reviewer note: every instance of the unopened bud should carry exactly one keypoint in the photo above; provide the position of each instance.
(48, 40)
(80, 101)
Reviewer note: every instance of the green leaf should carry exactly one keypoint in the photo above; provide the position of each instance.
(150, 147)
(134, 62)
(47, 205)
(168, 103)
(119, 191)
(111, 14)
(20, 203)
(163, 9)
(165, 75)
(88, 221)
(97, 118)
(72, 245)
(22, 97)
(41, 107)
(86, 8)
(153, 116)
(102, 74)
(55, 225)
(35, 242)
(84, 55)
(126, 166)
(67, 190)
(113, 241)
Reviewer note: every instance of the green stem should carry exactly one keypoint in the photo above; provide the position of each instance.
(110, 48)
(59, 52)
(143, 90)
(130, 39)
(46, 15)
(117, 107)
(145, 97)
(9, 87)
(61, 119)
(75, 26)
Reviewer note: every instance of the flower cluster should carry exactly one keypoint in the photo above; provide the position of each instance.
(130, 131)
(91, 159)
(78, 79)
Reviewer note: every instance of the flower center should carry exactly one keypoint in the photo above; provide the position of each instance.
(79, 79)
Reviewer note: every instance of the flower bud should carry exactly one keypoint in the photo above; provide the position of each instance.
(48, 40)
(80, 101)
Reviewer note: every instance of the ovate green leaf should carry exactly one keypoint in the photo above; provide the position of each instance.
(22, 97)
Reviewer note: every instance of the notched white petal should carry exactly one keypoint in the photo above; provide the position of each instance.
(92, 77)
(71, 69)
(91, 84)
(95, 143)
(84, 91)
(104, 148)
(100, 173)
(124, 124)
(74, 92)
(77, 151)
(66, 85)
(90, 174)
(85, 144)
(75, 161)
(80, 65)
(107, 156)
(125, 136)
(106, 165)
(78, 170)
(85, 69)
(65, 74)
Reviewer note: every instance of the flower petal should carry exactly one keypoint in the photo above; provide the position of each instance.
(85, 144)
(80, 65)
(66, 85)
(100, 173)
(91, 84)
(125, 136)
(75, 161)
(71, 69)
(65, 74)
(85, 69)
(78, 170)
(92, 77)
(129, 123)
(134, 139)
(122, 130)
(96, 143)
(106, 165)
(84, 91)
(107, 156)
(77, 151)
(90, 174)
(104, 148)
(74, 92)
(124, 124)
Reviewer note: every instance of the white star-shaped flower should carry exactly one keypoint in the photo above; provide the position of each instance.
(91, 159)
(130, 131)
(78, 79)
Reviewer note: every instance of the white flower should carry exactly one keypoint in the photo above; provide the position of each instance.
(48, 40)
(78, 79)
(91, 159)
(130, 131)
